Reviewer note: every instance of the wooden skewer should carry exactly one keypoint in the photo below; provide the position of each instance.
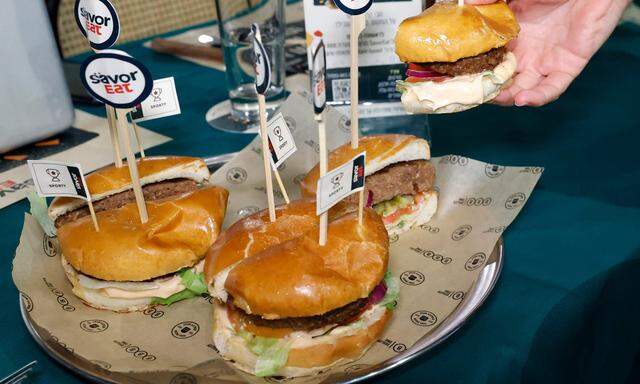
(265, 158)
(93, 214)
(113, 131)
(281, 185)
(357, 25)
(136, 131)
(322, 138)
(123, 128)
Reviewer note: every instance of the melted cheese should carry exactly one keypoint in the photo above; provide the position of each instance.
(459, 92)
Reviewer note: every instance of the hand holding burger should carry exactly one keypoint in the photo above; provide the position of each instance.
(557, 40)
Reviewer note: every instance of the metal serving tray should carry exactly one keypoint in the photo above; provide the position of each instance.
(478, 293)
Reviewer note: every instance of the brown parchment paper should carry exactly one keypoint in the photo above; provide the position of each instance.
(436, 264)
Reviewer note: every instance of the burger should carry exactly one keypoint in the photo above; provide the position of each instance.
(457, 56)
(399, 179)
(286, 306)
(128, 266)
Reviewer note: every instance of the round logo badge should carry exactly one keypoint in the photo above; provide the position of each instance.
(493, 170)
(98, 22)
(118, 80)
(516, 200)
(412, 277)
(49, 246)
(26, 301)
(353, 7)
(185, 330)
(236, 175)
(184, 378)
(475, 261)
(461, 232)
(94, 325)
(424, 318)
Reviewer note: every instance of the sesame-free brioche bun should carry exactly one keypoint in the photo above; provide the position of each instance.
(278, 270)
(382, 150)
(178, 234)
(304, 358)
(111, 180)
(446, 32)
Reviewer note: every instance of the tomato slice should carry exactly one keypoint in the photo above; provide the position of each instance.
(419, 67)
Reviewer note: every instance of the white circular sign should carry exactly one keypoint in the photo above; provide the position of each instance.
(98, 22)
(118, 80)
(353, 7)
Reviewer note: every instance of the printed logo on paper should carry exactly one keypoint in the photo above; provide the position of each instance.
(280, 139)
(353, 7)
(515, 201)
(26, 301)
(340, 183)
(153, 313)
(318, 73)
(184, 378)
(52, 178)
(94, 325)
(236, 175)
(461, 232)
(50, 246)
(412, 277)
(424, 318)
(162, 101)
(475, 261)
(393, 345)
(185, 330)
(261, 64)
(116, 79)
(98, 21)
(493, 170)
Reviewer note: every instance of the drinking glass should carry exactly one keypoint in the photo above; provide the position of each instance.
(234, 20)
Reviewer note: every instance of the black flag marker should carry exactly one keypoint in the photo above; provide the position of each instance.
(261, 65)
(353, 7)
(318, 73)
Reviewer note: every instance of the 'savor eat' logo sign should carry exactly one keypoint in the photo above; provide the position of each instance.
(98, 22)
(118, 80)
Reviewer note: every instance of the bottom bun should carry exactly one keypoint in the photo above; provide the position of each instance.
(307, 355)
(426, 209)
(458, 93)
(140, 293)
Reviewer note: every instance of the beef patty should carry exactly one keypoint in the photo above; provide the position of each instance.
(151, 192)
(469, 65)
(406, 178)
(340, 315)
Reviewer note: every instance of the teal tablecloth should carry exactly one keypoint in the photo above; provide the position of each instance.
(566, 307)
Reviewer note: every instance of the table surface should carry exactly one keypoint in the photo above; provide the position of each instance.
(564, 309)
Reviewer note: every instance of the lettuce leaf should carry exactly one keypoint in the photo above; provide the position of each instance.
(271, 360)
(182, 295)
(194, 284)
(193, 281)
(39, 212)
(393, 291)
(272, 353)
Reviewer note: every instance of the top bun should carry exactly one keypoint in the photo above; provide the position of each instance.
(178, 234)
(110, 180)
(278, 270)
(382, 150)
(446, 32)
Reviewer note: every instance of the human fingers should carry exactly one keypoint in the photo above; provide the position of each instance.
(524, 80)
(549, 89)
